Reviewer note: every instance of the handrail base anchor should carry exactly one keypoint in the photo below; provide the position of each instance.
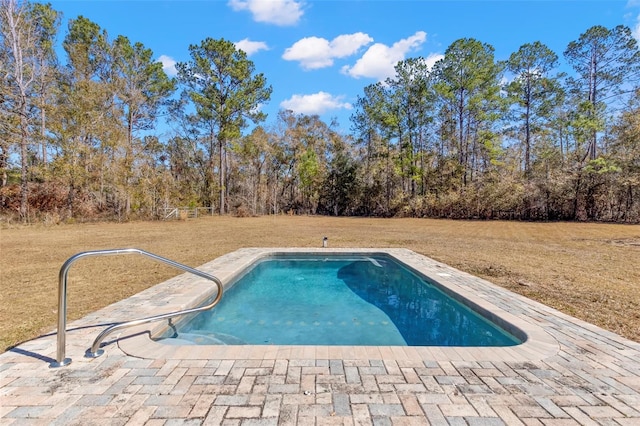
(96, 354)
(63, 363)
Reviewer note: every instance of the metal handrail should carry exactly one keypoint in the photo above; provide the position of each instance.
(62, 301)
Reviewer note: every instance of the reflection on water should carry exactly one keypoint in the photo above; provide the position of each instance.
(424, 315)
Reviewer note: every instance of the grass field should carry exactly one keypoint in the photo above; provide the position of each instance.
(590, 271)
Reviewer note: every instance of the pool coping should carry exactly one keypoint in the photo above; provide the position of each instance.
(186, 291)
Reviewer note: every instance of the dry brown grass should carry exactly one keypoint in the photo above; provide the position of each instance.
(591, 271)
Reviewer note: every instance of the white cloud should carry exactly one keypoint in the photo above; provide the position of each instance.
(168, 65)
(278, 12)
(432, 59)
(312, 52)
(379, 60)
(347, 44)
(250, 47)
(317, 103)
(316, 52)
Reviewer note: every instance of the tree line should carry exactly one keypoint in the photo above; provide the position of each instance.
(470, 137)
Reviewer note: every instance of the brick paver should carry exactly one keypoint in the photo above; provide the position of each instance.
(592, 379)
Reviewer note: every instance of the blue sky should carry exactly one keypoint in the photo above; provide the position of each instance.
(319, 55)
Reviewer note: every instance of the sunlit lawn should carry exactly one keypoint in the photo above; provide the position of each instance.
(591, 271)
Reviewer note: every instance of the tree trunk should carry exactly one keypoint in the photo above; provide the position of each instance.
(221, 176)
(527, 132)
(24, 186)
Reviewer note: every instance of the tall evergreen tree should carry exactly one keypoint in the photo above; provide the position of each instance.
(607, 64)
(534, 91)
(222, 85)
(414, 100)
(468, 82)
(141, 88)
(376, 124)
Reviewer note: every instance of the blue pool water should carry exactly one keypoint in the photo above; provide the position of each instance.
(339, 301)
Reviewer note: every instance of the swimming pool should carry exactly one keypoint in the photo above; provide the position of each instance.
(339, 299)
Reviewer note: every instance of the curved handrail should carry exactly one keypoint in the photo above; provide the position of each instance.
(95, 347)
(62, 300)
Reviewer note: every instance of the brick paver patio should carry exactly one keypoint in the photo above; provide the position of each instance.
(588, 377)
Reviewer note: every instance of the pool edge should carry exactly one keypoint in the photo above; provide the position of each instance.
(539, 344)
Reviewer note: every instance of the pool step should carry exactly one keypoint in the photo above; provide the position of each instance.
(202, 337)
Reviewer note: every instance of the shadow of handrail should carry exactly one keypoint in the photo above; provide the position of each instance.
(21, 351)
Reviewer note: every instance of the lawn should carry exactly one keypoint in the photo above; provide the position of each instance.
(590, 271)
